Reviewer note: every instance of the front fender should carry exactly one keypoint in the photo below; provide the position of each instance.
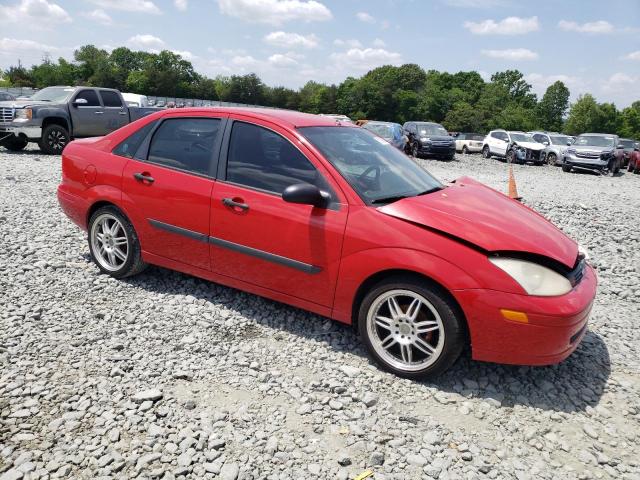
(356, 268)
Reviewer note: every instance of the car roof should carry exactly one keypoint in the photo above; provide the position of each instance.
(289, 117)
(597, 135)
(380, 122)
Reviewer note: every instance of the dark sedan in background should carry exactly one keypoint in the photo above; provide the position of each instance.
(428, 138)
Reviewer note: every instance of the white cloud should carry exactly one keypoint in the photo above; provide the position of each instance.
(511, 54)
(27, 11)
(378, 42)
(275, 12)
(618, 82)
(10, 45)
(146, 42)
(633, 55)
(99, 16)
(291, 40)
(144, 6)
(508, 26)
(600, 26)
(286, 60)
(181, 4)
(365, 59)
(245, 61)
(365, 17)
(185, 54)
(351, 43)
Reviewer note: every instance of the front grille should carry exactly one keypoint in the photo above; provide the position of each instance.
(441, 144)
(532, 154)
(6, 115)
(588, 154)
(577, 273)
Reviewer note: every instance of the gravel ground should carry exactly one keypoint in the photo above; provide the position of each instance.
(168, 376)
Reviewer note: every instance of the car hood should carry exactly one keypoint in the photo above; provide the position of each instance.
(22, 103)
(477, 214)
(531, 145)
(589, 148)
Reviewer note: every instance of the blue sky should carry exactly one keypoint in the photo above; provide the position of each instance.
(592, 45)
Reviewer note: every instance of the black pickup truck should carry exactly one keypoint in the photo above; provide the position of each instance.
(55, 115)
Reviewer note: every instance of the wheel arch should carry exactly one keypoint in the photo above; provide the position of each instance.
(382, 275)
(56, 121)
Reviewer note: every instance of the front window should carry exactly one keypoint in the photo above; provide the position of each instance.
(627, 144)
(594, 141)
(560, 139)
(53, 94)
(474, 136)
(431, 129)
(521, 137)
(377, 171)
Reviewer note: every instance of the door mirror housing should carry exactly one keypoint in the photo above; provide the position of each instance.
(306, 194)
(78, 102)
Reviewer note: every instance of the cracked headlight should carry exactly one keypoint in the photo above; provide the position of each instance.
(533, 278)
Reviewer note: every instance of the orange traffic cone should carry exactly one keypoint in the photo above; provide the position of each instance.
(513, 190)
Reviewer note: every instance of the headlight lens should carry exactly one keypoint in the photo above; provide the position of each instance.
(23, 114)
(425, 139)
(535, 279)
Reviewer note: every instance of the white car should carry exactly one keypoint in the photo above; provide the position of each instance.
(556, 144)
(469, 142)
(516, 147)
(135, 100)
(337, 117)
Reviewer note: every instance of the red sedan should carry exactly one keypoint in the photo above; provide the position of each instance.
(328, 217)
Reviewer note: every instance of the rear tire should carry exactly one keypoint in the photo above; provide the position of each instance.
(421, 338)
(465, 150)
(54, 139)
(15, 144)
(114, 244)
(486, 152)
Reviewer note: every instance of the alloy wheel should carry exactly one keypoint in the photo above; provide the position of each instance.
(109, 242)
(406, 330)
(56, 140)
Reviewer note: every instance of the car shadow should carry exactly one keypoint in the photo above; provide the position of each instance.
(573, 385)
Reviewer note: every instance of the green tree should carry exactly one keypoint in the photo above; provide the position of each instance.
(517, 87)
(630, 121)
(553, 106)
(586, 115)
(463, 117)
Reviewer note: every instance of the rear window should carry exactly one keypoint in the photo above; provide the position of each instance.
(110, 99)
(129, 147)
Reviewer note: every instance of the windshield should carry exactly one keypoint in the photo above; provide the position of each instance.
(384, 131)
(376, 170)
(53, 94)
(431, 129)
(627, 144)
(521, 137)
(594, 141)
(560, 139)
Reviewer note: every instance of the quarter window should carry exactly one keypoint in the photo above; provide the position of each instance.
(110, 99)
(185, 144)
(90, 96)
(262, 159)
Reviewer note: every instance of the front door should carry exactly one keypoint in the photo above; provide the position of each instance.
(86, 114)
(168, 191)
(259, 238)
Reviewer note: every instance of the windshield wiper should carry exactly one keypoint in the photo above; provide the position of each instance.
(396, 198)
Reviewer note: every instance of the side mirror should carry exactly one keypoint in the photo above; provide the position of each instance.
(569, 142)
(79, 102)
(545, 143)
(306, 194)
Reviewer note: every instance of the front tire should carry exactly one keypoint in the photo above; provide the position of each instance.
(465, 150)
(54, 139)
(486, 152)
(114, 244)
(15, 144)
(410, 328)
(552, 159)
(566, 168)
(415, 150)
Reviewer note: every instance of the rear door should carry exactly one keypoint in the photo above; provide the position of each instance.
(259, 238)
(86, 115)
(116, 114)
(168, 185)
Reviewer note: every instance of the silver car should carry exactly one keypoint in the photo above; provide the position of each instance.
(556, 145)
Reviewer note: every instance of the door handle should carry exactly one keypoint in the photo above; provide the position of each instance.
(122, 113)
(143, 177)
(98, 113)
(229, 202)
